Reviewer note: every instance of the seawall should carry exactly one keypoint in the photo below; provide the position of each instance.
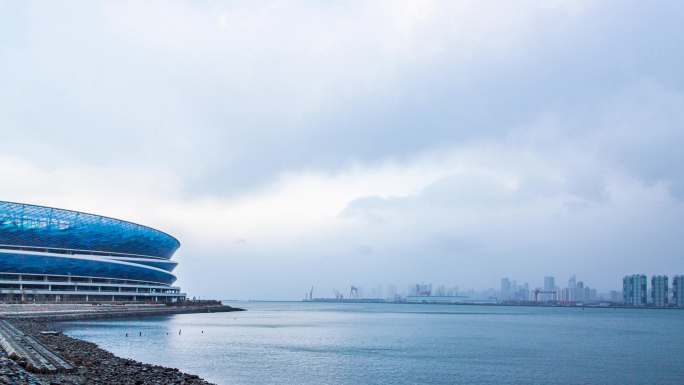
(67, 312)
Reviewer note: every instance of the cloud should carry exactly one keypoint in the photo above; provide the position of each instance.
(212, 83)
(374, 142)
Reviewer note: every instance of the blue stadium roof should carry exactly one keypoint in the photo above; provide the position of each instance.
(33, 226)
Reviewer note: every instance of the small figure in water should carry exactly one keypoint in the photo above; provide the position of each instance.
(140, 334)
(179, 331)
(126, 334)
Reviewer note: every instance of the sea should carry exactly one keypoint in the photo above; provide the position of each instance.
(343, 343)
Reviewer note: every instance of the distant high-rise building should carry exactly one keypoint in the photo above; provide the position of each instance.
(659, 290)
(591, 294)
(505, 289)
(615, 296)
(678, 290)
(392, 293)
(549, 285)
(564, 295)
(579, 292)
(523, 293)
(421, 289)
(634, 290)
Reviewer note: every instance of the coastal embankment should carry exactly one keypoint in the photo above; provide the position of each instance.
(34, 351)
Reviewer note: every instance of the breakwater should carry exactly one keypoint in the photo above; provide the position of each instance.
(75, 312)
(35, 352)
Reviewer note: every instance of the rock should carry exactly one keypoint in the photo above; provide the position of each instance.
(92, 364)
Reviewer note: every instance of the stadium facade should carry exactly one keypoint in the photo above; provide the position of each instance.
(50, 254)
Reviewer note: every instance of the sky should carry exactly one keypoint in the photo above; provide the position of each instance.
(328, 144)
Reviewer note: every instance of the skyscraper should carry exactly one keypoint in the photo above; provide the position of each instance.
(575, 293)
(580, 292)
(549, 283)
(634, 290)
(549, 286)
(678, 290)
(505, 289)
(659, 290)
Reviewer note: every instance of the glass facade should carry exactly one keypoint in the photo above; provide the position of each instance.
(51, 243)
(30, 225)
(12, 262)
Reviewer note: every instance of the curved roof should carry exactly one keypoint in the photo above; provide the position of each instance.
(28, 225)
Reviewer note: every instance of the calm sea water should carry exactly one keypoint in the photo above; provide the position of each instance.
(306, 343)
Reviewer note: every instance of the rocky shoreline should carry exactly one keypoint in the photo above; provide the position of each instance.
(92, 365)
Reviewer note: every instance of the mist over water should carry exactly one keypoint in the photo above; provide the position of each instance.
(309, 343)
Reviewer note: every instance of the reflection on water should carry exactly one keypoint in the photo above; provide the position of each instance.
(308, 343)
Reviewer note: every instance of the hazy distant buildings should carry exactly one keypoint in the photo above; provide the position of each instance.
(634, 290)
(424, 293)
(659, 290)
(522, 293)
(578, 292)
(392, 293)
(549, 286)
(571, 290)
(569, 294)
(511, 291)
(615, 296)
(420, 290)
(506, 289)
(678, 290)
(549, 283)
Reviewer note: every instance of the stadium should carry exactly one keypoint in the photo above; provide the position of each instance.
(55, 255)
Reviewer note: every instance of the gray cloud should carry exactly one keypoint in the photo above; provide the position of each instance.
(555, 130)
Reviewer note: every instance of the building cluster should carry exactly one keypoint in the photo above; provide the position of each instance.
(636, 292)
(427, 290)
(574, 292)
(512, 291)
(661, 292)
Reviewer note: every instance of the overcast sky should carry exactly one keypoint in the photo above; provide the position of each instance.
(291, 144)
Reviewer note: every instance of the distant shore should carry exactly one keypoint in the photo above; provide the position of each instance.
(92, 365)
(511, 304)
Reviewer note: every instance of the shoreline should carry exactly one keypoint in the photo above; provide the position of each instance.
(92, 364)
(534, 305)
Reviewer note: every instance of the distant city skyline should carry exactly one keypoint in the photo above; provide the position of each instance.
(634, 290)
